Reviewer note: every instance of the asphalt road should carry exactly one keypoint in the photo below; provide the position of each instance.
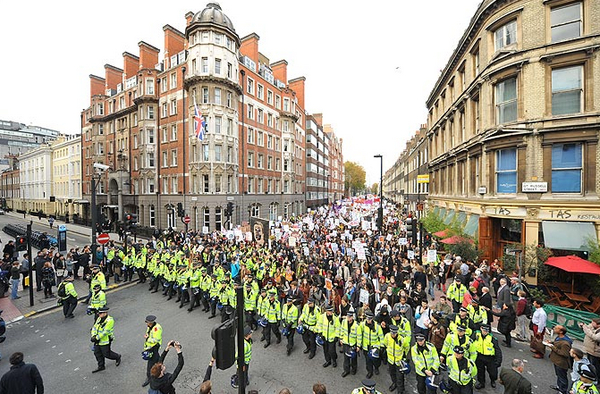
(61, 350)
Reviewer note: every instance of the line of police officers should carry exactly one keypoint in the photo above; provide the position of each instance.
(469, 349)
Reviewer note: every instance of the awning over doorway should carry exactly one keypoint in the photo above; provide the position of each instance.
(472, 225)
(568, 235)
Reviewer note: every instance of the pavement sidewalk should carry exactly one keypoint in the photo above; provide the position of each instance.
(14, 310)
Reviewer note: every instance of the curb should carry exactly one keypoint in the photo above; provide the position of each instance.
(55, 306)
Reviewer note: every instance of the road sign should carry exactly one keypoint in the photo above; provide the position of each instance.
(423, 178)
(187, 219)
(103, 238)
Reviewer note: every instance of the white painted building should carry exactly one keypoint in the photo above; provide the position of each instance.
(36, 179)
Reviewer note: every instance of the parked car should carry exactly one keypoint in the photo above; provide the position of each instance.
(1, 211)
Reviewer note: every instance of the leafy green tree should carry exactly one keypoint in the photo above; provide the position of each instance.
(375, 188)
(355, 178)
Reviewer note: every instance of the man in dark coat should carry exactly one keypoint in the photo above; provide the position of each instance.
(22, 378)
(513, 380)
(486, 301)
(9, 249)
(39, 261)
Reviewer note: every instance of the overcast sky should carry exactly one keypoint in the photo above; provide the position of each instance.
(369, 65)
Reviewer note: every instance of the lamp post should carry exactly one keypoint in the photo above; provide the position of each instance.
(380, 210)
(242, 163)
(186, 140)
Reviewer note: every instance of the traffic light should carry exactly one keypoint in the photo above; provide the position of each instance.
(415, 233)
(410, 228)
(224, 337)
(180, 212)
(21, 244)
(229, 209)
(131, 220)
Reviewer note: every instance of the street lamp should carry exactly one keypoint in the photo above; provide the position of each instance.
(380, 210)
(101, 169)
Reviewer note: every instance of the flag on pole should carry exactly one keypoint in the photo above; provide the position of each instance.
(199, 123)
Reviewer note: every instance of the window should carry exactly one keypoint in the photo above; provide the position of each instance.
(174, 186)
(229, 126)
(261, 116)
(269, 163)
(229, 183)
(218, 37)
(173, 107)
(250, 159)
(250, 86)
(278, 102)
(260, 138)
(218, 66)
(152, 213)
(506, 171)
(230, 154)
(260, 91)
(229, 99)
(218, 121)
(273, 211)
(269, 97)
(250, 111)
(100, 129)
(149, 86)
(204, 65)
(505, 35)
(174, 132)
(218, 218)
(567, 89)
(205, 96)
(218, 149)
(260, 161)
(150, 136)
(174, 158)
(566, 168)
(259, 185)
(217, 96)
(173, 81)
(206, 214)
(251, 136)
(506, 100)
(255, 211)
(205, 153)
(270, 120)
(229, 70)
(165, 159)
(565, 22)
(150, 185)
(205, 183)
(150, 112)
(151, 159)
(164, 112)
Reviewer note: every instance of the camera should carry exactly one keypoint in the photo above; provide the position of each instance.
(101, 167)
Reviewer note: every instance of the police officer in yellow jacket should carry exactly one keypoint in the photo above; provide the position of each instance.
(347, 333)
(426, 360)
(289, 319)
(309, 318)
(102, 334)
(152, 342)
(397, 349)
(370, 336)
(273, 315)
(489, 356)
(368, 387)
(328, 328)
(462, 371)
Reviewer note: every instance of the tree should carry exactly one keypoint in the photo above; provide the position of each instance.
(375, 188)
(355, 178)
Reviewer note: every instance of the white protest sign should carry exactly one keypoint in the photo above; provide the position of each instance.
(411, 254)
(431, 256)
(402, 241)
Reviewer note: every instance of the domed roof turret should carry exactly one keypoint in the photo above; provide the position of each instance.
(213, 14)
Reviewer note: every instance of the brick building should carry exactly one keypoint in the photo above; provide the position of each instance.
(140, 123)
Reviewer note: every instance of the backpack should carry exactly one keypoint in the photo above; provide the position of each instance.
(61, 291)
(153, 391)
(528, 312)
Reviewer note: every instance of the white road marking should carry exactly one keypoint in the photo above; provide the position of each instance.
(67, 361)
(36, 331)
(60, 354)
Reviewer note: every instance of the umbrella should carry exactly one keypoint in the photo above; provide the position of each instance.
(455, 239)
(574, 265)
(441, 234)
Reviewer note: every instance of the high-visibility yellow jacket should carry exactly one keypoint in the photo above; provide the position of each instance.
(427, 359)
(328, 328)
(461, 376)
(396, 348)
(103, 330)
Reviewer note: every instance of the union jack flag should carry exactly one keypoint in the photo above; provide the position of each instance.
(199, 123)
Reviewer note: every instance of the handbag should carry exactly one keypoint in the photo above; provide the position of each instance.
(537, 345)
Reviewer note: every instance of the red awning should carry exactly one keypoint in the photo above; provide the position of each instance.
(441, 234)
(573, 264)
(455, 239)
